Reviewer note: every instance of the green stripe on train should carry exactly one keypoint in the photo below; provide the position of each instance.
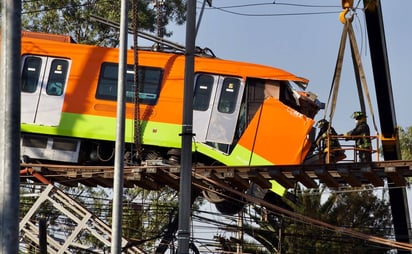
(241, 156)
(155, 133)
(104, 128)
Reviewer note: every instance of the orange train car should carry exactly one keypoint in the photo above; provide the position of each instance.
(243, 113)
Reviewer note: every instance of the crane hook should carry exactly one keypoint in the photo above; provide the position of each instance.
(342, 15)
(346, 6)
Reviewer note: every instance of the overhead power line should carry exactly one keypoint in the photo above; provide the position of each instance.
(244, 6)
(274, 3)
(280, 14)
(280, 3)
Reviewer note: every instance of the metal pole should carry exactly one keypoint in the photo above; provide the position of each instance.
(10, 125)
(387, 116)
(120, 130)
(43, 234)
(183, 233)
(239, 245)
(200, 17)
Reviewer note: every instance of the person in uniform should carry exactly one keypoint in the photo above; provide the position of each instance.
(335, 151)
(361, 135)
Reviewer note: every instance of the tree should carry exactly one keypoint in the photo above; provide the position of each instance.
(145, 214)
(405, 140)
(74, 18)
(359, 210)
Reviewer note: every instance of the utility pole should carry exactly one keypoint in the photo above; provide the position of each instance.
(185, 191)
(159, 4)
(239, 245)
(387, 116)
(120, 130)
(10, 125)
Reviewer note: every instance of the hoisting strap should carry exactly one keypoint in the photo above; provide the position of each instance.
(355, 53)
(358, 82)
(359, 73)
(333, 93)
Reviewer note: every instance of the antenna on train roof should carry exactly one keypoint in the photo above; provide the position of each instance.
(169, 44)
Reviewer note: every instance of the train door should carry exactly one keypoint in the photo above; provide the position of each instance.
(216, 106)
(43, 86)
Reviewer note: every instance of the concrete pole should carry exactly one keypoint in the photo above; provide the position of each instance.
(120, 130)
(183, 233)
(10, 125)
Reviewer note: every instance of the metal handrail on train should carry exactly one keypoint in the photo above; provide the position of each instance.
(351, 147)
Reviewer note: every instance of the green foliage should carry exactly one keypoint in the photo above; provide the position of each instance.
(145, 214)
(152, 210)
(405, 140)
(359, 210)
(74, 18)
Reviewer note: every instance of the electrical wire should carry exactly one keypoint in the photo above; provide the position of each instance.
(274, 3)
(278, 14)
(221, 8)
(278, 3)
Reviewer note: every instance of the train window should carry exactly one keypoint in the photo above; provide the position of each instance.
(149, 80)
(255, 96)
(288, 96)
(30, 75)
(57, 77)
(228, 95)
(202, 92)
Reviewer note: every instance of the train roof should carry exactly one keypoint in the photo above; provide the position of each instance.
(47, 36)
(205, 63)
(252, 70)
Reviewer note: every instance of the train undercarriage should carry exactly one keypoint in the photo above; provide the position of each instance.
(51, 149)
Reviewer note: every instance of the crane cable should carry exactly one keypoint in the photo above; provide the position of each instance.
(359, 72)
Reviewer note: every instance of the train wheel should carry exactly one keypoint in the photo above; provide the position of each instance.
(174, 156)
(152, 155)
(225, 202)
(229, 205)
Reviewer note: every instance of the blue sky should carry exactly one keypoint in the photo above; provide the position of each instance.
(302, 36)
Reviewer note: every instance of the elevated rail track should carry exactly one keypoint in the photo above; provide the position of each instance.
(155, 174)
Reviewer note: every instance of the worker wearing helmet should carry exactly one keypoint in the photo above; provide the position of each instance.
(361, 134)
(321, 141)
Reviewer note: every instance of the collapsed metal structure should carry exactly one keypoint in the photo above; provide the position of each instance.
(86, 223)
(155, 175)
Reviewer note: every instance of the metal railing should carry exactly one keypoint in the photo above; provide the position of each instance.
(348, 144)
